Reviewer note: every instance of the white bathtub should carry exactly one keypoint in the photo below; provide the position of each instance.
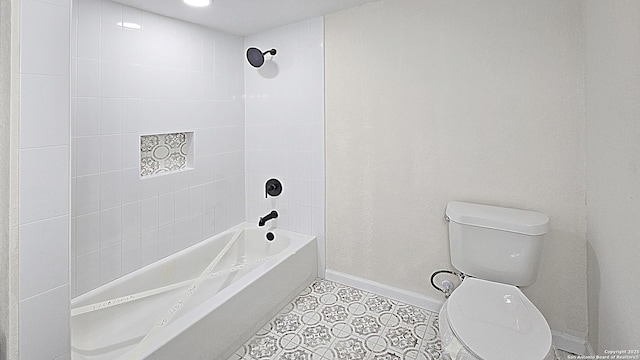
(224, 312)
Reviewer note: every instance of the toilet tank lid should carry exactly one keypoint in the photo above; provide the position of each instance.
(494, 217)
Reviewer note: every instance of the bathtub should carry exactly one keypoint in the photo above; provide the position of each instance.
(141, 315)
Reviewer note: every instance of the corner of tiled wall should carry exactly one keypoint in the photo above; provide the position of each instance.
(285, 128)
(44, 180)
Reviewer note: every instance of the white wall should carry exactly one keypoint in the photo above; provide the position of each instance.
(168, 76)
(44, 180)
(429, 102)
(613, 165)
(285, 128)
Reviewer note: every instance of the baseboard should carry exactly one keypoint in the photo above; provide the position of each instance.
(391, 292)
(561, 341)
(571, 344)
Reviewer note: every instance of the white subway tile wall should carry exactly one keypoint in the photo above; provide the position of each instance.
(168, 76)
(44, 179)
(285, 128)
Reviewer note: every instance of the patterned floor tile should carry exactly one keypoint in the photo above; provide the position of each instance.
(296, 354)
(401, 338)
(342, 330)
(322, 286)
(387, 355)
(379, 304)
(352, 348)
(329, 321)
(356, 309)
(286, 323)
(412, 315)
(304, 303)
(350, 295)
(332, 321)
(366, 325)
(334, 313)
(263, 347)
(316, 338)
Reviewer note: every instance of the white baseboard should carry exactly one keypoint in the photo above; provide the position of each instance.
(391, 292)
(571, 344)
(561, 341)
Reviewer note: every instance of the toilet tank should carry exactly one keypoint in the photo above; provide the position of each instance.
(496, 243)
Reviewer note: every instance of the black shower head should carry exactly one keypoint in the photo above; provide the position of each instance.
(256, 57)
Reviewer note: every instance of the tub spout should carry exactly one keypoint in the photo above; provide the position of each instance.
(272, 215)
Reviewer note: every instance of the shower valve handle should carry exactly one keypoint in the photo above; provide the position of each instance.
(273, 187)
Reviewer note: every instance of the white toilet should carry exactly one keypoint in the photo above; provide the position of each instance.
(487, 317)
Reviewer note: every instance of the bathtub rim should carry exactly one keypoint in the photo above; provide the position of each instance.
(244, 225)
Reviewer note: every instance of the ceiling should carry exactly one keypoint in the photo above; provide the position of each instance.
(244, 17)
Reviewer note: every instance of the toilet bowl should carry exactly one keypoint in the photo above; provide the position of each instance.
(487, 317)
(485, 320)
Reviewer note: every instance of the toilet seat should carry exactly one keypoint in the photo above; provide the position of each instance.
(497, 322)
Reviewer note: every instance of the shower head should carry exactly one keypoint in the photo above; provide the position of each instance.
(256, 56)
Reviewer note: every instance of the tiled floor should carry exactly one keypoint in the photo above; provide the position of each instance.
(330, 321)
(334, 321)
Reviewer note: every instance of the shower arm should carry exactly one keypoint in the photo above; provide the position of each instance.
(271, 52)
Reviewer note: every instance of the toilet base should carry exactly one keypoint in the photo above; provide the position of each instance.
(454, 349)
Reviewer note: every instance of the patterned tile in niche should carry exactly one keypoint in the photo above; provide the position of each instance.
(149, 166)
(366, 325)
(334, 313)
(162, 153)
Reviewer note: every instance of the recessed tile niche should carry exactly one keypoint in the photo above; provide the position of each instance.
(162, 154)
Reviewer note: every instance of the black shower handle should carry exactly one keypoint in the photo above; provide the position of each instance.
(273, 187)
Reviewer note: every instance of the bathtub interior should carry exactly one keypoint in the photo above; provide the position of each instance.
(189, 263)
(113, 330)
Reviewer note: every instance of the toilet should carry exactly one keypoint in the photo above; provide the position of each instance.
(487, 317)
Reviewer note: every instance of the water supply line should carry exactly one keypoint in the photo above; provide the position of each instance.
(447, 286)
